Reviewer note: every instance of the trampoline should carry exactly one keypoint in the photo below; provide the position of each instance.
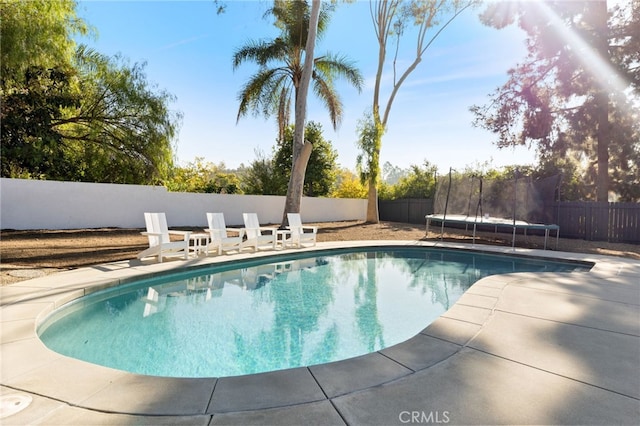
(515, 204)
(495, 222)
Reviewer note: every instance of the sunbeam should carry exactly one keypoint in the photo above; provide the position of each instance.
(602, 71)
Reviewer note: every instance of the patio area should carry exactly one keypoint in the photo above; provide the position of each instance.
(526, 348)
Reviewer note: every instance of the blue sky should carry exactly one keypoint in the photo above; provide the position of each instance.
(188, 49)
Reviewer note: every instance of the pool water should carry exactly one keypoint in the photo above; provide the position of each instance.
(254, 318)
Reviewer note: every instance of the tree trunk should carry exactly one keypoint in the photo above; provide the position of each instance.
(599, 16)
(372, 203)
(301, 150)
(602, 193)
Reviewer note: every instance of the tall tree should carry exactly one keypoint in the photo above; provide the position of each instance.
(301, 148)
(574, 93)
(271, 90)
(391, 19)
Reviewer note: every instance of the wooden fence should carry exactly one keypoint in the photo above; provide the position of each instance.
(612, 222)
(408, 210)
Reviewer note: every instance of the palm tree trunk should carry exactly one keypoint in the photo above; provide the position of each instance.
(302, 149)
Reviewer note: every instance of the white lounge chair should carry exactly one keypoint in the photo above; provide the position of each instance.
(300, 234)
(255, 237)
(160, 243)
(221, 241)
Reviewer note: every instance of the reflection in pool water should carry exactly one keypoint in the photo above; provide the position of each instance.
(290, 313)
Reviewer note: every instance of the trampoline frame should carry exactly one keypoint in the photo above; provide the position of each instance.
(496, 223)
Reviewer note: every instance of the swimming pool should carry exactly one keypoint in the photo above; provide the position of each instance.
(283, 313)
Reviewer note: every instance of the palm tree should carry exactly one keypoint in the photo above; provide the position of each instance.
(271, 89)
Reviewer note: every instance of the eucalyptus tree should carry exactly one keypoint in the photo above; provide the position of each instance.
(576, 94)
(287, 66)
(391, 22)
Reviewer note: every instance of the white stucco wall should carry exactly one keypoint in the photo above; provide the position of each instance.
(34, 204)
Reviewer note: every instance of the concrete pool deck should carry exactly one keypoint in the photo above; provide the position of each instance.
(522, 348)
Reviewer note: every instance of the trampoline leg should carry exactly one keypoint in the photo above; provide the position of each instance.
(474, 234)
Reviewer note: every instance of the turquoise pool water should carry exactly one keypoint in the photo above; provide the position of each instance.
(292, 312)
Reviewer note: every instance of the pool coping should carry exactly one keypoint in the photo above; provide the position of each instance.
(463, 331)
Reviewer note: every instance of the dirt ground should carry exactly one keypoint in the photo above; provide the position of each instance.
(29, 254)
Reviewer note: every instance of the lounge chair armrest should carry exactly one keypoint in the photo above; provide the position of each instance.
(185, 234)
(180, 232)
(314, 229)
(240, 231)
(270, 229)
(152, 234)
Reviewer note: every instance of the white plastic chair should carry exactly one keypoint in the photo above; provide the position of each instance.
(300, 234)
(160, 243)
(255, 237)
(221, 241)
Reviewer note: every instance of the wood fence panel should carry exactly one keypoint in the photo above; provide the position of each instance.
(393, 210)
(613, 222)
(571, 219)
(624, 223)
(599, 221)
(418, 209)
(410, 210)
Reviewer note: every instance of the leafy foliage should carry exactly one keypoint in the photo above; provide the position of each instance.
(420, 182)
(31, 147)
(199, 176)
(261, 178)
(369, 141)
(123, 127)
(416, 182)
(37, 33)
(321, 170)
(69, 113)
(576, 93)
(270, 91)
(348, 185)
(270, 176)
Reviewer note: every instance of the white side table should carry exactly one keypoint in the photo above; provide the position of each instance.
(199, 243)
(281, 237)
